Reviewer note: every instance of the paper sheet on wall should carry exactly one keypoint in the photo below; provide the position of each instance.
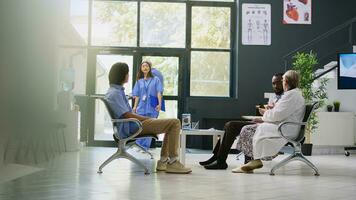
(256, 24)
(296, 11)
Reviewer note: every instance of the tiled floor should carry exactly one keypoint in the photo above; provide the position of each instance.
(73, 176)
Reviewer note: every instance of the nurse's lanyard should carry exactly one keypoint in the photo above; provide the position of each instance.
(146, 89)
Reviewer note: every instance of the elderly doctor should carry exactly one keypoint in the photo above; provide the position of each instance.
(267, 141)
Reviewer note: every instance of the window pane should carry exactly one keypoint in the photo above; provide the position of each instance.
(103, 66)
(72, 66)
(168, 66)
(210, 74)
(162, 24)
(211, 27)
(114, 23)
(79, 11)
(73, 22)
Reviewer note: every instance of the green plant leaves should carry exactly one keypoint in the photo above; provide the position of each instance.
(304, 64)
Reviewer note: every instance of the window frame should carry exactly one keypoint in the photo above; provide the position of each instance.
(183, 53)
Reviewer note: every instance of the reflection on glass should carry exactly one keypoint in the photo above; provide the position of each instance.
(162, 24)
(103, 125)
(168, 66)
(114, 23)
(210, 74)
(76, 59)
(211, 27)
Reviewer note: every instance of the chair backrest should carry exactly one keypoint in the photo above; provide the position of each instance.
(309, 109)
(112, 116)
(108, 108)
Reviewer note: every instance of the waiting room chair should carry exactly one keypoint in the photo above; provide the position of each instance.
(123, 144)
(296, 153)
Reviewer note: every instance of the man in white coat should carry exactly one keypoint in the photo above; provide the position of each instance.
(291, 107)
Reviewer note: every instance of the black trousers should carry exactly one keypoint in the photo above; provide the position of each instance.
(232, 130)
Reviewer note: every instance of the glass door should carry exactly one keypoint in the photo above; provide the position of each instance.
(100, 130)
(169, 66)
(103, 127)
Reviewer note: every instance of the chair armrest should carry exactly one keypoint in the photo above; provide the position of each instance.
(286, 123)
(139, 124)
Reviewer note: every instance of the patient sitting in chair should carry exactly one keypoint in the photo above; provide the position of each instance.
(118, 76)
(263, 140)
(233, 129)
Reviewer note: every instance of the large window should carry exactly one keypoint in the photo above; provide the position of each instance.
(211, 51)
(190, 41)
(202, 29)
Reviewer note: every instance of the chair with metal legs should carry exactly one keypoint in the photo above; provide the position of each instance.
(296, 142)
(123, 144)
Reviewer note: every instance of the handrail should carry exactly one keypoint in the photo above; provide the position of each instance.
(323, 36)
(324, 72)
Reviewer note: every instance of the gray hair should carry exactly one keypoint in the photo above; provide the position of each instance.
(292, 79)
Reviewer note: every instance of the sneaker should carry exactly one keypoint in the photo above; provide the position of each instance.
(253, 164)
(239, 170)
(177, 168)
(161, 166)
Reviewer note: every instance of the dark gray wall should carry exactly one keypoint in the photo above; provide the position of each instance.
(257, 64)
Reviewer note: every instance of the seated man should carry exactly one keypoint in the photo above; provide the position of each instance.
(118, 76)
(233, 128)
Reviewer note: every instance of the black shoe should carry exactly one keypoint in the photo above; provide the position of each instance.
(208, 162)
(216, 165)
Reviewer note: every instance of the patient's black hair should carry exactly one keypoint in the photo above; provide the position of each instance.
(118, 73)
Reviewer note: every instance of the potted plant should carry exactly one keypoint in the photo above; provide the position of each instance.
(336, 106)
(312, 90)
(329, 107)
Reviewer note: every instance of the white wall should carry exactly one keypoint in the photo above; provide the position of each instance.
(346, 97)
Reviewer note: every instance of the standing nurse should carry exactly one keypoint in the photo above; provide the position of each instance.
(147, 93)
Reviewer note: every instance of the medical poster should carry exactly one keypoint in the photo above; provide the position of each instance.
(256, 24)
(297, 11)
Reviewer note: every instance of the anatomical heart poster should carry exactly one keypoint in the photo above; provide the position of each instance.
(297, 11)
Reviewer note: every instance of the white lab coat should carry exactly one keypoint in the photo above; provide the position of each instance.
(267, 141)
